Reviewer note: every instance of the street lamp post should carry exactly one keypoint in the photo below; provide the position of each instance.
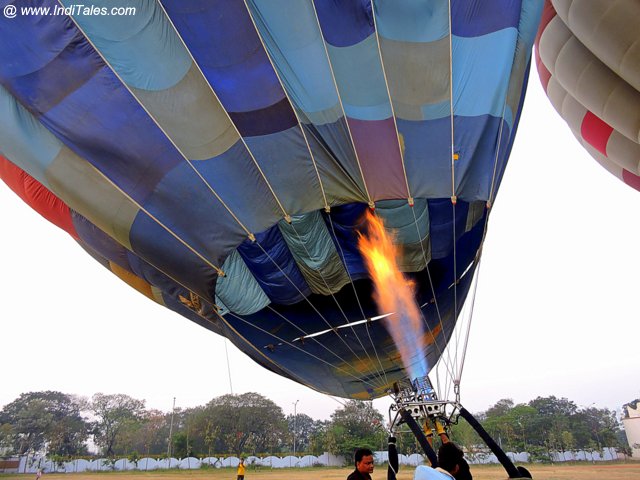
(171, 431)
(295, 418)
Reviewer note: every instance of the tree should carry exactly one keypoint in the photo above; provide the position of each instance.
(499, 424)
(304, 427)
(521, 417)
(114, 413)
(7, 438)
(146, 435)
(596, 426)
(554, 416)
(211, 433)
(49, 419)
(153, 433)
(247, 423)
(318, 437)
(551, 406)
(501, 408)
(356, 425)
(181, 446)
(567, 442)
(465, 436)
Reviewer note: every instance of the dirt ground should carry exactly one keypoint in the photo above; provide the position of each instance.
(586, 471)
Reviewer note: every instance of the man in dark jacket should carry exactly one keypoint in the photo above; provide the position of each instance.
(364, 465)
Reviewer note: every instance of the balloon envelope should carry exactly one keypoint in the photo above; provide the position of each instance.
(589, 64)
(218, 156)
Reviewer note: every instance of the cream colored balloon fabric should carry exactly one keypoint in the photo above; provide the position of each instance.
(588, 56)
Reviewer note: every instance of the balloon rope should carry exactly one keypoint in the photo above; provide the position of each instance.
(258, 351)
(278, 365)
(454, 197)
(455, 289)
(295, 110)
(308, 301)
(98, 223)
(211, 189)
(231, 122)
(337, 163)
(486, 219)
(216, 309)
(346, 319)
(301, 330)
(281, 340)
(346, 120)
(411, 202)
(226, 352)
(375, 351)
(435, 299)
(484, 233)
(453, 155)
(355, 292)
(439, 390)
(287, 217)
(344, 404)
(311, 337)
(326, 205)
(468, 332)
(495, 162)
(393, 114)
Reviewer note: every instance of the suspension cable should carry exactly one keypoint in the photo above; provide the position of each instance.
(307, 300)
(344, 113)
(466, 338)
(285, 342)
(393, 114)
(355, 292)
(336, 301)
(307, 335)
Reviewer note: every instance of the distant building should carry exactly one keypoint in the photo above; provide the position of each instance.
(9, 464)
(631, 422)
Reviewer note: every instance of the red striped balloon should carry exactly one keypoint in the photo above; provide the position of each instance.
(588, 57)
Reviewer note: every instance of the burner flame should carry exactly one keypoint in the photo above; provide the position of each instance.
(395, 295)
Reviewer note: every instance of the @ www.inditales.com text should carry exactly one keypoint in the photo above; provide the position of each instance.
(11, 11)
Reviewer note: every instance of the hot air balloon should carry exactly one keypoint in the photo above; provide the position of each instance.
(589, 64)
(219, 157)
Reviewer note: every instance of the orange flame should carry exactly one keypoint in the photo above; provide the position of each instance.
(394, 294)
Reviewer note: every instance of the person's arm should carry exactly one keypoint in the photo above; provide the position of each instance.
(441, 432)
(428, 432)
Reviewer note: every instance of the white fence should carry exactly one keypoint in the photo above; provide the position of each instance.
(30, 464)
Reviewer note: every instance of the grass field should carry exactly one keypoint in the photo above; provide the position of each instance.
(582, 471)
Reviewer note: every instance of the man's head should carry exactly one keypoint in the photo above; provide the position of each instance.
(450, 457)
(364, 460)
(463, 473)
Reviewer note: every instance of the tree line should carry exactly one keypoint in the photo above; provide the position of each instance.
(545, 425)
(63, 425)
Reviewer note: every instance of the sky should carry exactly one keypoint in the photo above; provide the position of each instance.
(556, 310)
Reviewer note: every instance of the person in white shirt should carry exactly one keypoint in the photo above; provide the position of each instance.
(450, 458)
